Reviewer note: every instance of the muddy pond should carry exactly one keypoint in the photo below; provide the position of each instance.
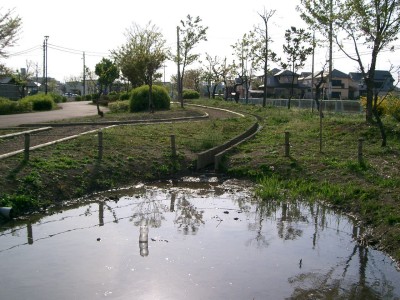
(197, 238)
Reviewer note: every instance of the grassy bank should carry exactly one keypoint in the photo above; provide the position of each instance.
(129, 153)
(369, 190)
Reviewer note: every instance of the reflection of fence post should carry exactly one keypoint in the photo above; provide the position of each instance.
(30, 233)
(27, 143)
(360, 151)
(100, 145)
(287, 144)
(173, 146)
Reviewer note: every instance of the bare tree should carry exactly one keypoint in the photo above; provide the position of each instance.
(266, 52)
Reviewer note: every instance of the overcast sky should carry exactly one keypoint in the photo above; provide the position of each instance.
(97, 27)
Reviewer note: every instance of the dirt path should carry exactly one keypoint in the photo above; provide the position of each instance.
(67, 110)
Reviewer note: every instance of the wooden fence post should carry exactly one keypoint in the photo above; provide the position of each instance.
(287, 144)
(360, 151)
(27, 145)
(173, 146)
(100, 145)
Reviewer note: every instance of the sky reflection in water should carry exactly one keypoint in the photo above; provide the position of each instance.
(191, 240)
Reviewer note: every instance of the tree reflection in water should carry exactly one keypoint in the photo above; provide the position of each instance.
(291, 216)
(187, 217)
(314, 285)
(263, 211)
(149, 208)
(334, 283)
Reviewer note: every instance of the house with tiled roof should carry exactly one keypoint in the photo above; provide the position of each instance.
(343, 86)
(383, 82)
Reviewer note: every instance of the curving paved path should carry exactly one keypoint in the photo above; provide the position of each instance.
(67, 110)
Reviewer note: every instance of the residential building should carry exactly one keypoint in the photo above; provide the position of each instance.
(384, 82)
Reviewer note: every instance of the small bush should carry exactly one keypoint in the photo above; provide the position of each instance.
(88, 97)
(21, 203)
(190, 94)
(57, 98)
(113, 96)
(393, 106)
(78, 98)
(139, 100)
(12, 107)
(40, 102)
(94, 97)
(119, 106)
(382, 105)
(124, 96)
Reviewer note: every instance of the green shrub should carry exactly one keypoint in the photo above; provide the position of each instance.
(393, 106)
(124, 96)
(139, 100)
(113, 96)
(190, 94)
(119, 106)
(78, 98)
(40, 102)
(57, 98)
(12, 107)
(88, 97)
(21, 203)
(94, 97)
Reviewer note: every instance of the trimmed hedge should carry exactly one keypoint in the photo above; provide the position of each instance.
(190, 94)
(139, 100)
(40, 102)
(8, 106)
(119, 106)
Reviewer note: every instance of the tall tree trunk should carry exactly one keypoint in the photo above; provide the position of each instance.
(369, 104)
(99, 112)
(214, 90)
(379, 121)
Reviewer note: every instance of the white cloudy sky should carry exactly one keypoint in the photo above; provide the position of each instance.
(97, 27)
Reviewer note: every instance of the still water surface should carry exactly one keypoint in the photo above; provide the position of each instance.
(205, 240)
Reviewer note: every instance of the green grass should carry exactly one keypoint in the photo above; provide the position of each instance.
(370, 190)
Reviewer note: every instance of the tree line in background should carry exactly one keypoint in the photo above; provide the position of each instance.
(352, 25)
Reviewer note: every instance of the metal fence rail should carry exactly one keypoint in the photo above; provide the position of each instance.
(348, 106)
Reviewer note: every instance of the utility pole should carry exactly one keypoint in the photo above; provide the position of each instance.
(84, 76)
(180, 98)
(46, 37)
(330, 48)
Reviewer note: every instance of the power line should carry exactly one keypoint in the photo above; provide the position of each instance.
(25, 51)
(76, 51)
(58, 48)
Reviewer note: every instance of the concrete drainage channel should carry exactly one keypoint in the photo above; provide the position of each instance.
(214, 155)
